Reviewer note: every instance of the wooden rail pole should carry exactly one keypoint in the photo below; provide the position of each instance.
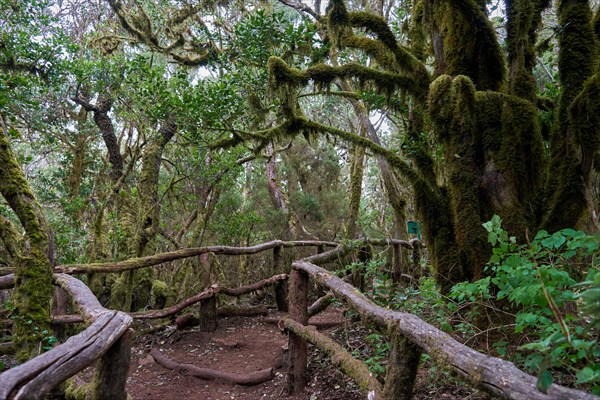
(112, 370)
(396, 263)
(208, 306)
(281, 292)
(60, 305)
(403, 364)
(298, 304)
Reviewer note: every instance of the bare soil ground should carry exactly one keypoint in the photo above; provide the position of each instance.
(241, 345)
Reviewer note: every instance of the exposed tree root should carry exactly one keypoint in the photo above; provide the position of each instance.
(249, 379)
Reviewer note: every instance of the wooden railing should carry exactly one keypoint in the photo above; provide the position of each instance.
(410, 337)
(106, 338)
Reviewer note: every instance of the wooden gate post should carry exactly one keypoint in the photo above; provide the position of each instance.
(403, 364)
(298, 304)
(111, 374)
(281, 291)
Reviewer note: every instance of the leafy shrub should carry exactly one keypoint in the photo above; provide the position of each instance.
(561, 315)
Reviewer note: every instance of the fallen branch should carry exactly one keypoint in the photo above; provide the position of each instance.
(352, 367)
(249, 379)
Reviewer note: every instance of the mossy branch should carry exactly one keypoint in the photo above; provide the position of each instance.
(404, 59)
(139, 26)
(480, 58)
(393, 159)
(324, 75)
(352, 367)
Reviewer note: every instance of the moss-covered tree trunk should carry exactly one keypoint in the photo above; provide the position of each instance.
(133, 289)
(575, 141)
(482, 109)
(33, 277)
(357, 162)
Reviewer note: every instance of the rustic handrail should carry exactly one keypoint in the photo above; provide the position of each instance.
(490, 374)
(142, 262)
(35, 378)
(7, 281)
(205, 294)
(107, 329)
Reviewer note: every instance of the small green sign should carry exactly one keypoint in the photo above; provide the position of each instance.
(413, 228)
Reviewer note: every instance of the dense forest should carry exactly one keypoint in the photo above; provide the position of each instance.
(133, 128)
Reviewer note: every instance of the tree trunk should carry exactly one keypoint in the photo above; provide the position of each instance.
(298, 305)
(146, 224)
(33, 276)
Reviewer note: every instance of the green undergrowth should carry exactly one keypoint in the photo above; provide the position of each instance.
(538, 306)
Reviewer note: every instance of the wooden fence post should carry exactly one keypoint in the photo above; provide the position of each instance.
(403, 364)
(60, 306)
(111, 374)
(416, 259)
(396, 263)
(358, 273)
(281, 292)
(298, 304)
(208, 307)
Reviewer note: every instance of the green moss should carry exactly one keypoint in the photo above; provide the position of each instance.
(142, 289)
(520, 48)
(118, 293)
(462, 160)
(33, 276)
(441, 114)
(566, 191)
(79, 392)
(417, 32)
(356, 180)
(160, 294)
(576, 59)
(9, 237)
(376, 24)
(337, 21)
(31, 301)
(324, 75)
(584, 117)
(469, 43)
(596, 24)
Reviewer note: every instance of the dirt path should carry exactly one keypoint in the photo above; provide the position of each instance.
(239, 345)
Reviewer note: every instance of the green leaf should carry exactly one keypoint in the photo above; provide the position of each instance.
(588, 375)
(544, 381)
